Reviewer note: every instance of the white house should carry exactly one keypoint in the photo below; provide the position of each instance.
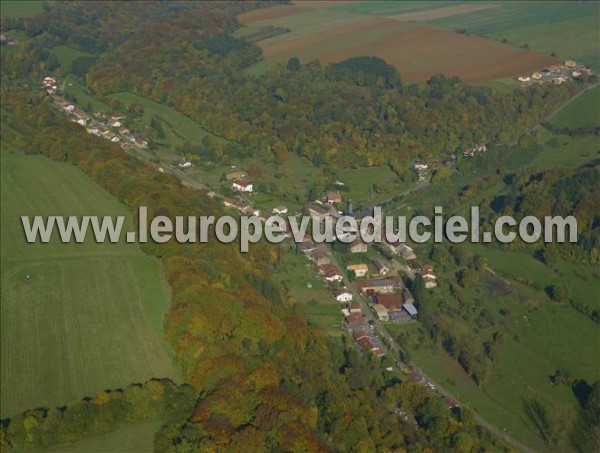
(343, 295)
(242, 186)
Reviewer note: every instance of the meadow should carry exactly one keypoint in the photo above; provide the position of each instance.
(584, 111)
(16, 9)
(135, 438)
(75, 318)
(317, 302)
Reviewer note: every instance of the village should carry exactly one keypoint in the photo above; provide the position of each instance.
(556, 74)
(368, 290)
(108, 127)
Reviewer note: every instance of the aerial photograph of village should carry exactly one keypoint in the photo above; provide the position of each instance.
(169, 172)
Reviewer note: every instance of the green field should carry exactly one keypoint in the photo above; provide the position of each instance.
(66, 55)
(178, 128)
(137, 438)
(89, 317)
(19, 8)
(584, 111)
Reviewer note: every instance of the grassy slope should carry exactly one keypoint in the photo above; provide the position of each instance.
(90, 317)
(585, 111)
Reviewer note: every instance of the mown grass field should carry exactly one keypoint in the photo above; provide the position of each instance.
(136, 438)
(89, 317)
(584, 111)
(18, 8)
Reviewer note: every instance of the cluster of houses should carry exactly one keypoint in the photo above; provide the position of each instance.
(103, 125)
(476, 149)
(556, 74)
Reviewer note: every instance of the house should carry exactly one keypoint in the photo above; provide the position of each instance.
(360, 270)
(536, 76)
(380, 266)
(318, 212)
(389, 300)
(411, 310)
(185, 164)
(358, 246)
(524, 79)
(356, 319)
(279, 210)
(421, 167)
(242, 186)
(333, 197)
(235, 175)
(330, 273)
(381, 312)
(342, 295)
(429, 277)
(430, 282)
(570, 63)
(376, 286)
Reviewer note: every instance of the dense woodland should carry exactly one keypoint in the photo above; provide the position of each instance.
(257, 376)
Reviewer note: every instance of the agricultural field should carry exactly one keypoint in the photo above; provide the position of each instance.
(584, 111)
(75, 318)
(567, 29)
(396, 32)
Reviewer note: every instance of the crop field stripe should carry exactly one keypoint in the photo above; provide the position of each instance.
(90, 315)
